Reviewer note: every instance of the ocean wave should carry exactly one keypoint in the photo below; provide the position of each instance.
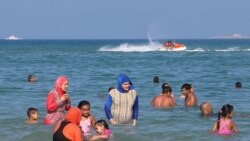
(246, 49)
(231, 49)
(197, 50)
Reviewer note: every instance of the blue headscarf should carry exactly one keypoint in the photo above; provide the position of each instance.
(122, 78)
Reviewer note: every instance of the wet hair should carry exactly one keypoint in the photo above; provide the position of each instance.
(111, 88)
(238, 85)
(83, 103)
(186, 86)
(102, 122)
(164, 85)
(156, 79)
(225, 110)
(30, 77)
(166, 88)
(31, 110)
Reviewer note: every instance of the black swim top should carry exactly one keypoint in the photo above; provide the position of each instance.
(58, 135)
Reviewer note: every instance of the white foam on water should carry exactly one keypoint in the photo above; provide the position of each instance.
(230, 49)
(127, 47)
(197, 50)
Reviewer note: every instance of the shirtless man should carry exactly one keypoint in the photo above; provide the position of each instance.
(165, 99)
(190, 97)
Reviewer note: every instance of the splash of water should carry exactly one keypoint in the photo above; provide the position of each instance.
(126, 47)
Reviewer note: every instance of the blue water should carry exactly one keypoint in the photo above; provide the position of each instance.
(212, 66)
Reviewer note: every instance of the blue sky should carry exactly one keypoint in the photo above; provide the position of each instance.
(123, 19)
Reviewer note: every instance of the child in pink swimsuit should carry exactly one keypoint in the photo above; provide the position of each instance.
(224, 125)
(102, 131)
(88, 120)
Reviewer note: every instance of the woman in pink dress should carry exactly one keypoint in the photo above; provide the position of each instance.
(57, 102)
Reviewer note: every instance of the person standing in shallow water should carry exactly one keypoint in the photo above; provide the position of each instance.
(121, 106)
(57, 102)
(68, 129)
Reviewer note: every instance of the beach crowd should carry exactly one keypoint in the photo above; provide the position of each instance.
(121, 108)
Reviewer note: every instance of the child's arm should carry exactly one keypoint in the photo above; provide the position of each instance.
(214, 129)
(92, 119)
(97, 137)
(233, 127)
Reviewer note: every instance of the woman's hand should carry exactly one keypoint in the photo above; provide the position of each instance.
(64, 97)
(112, 121)
(134, 122)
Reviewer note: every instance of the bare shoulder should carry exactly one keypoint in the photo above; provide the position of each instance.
(156, 100)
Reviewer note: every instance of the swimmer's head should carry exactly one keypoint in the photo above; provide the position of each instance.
(238, 85)
(186, 88)
(227, 110)
(111, 88)
(166, 88)
(32, 113)
(206, 109)
(31, 78)
(156, 79)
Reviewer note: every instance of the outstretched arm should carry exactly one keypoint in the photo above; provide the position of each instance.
(98, 137)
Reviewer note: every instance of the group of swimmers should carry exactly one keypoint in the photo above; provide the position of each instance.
(223, 126)
(68, 127)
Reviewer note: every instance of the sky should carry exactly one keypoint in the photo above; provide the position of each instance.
(123, 19)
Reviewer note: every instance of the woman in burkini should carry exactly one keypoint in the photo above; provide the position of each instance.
(165, 99)
(121, 105)
(88, 120)
(57, 102)
(69, 130)
(225, 125)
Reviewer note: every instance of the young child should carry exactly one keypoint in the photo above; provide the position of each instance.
(33, 116)
(224, 125)
(102, 131)
(88, 121)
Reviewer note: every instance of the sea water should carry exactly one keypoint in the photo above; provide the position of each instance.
(92, 66)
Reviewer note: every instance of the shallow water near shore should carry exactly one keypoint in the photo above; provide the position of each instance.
(212, 66)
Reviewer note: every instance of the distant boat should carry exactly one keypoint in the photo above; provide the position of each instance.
(12, 37)
(173, 46)
(234, 36)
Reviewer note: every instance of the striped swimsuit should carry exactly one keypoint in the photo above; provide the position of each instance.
(122, 105)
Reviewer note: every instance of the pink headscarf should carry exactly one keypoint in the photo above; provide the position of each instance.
(59, 83)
